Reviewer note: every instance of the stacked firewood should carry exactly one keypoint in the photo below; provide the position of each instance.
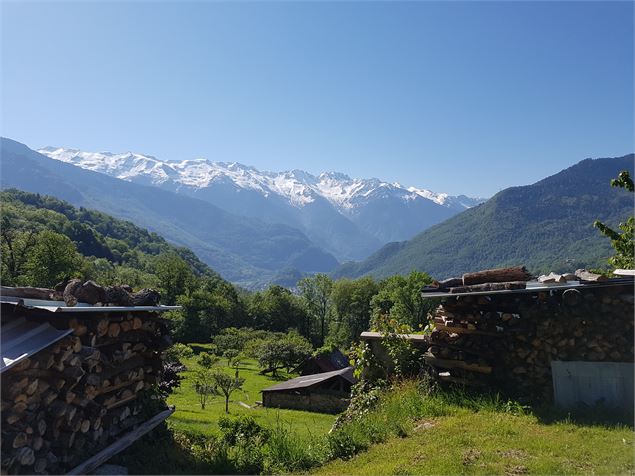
(508, 341)
(73, 398)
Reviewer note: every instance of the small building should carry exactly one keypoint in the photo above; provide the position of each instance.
(327, 392)
(326, 362)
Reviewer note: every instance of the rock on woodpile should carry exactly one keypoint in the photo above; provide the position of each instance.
(507, 341)
(80, 394)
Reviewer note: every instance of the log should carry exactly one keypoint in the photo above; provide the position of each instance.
(499, 275)
(506, 286)
(27, 293)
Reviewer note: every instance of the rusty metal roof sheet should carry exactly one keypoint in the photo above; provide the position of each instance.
(58, 306)
(314, 379)
(21, 338)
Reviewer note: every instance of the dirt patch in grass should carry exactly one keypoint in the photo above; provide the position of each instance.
(470, 456)
(514, 470)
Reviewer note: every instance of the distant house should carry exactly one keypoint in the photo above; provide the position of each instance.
(326, 392)
(326, 362)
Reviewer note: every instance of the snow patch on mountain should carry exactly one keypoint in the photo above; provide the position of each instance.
(298, 187)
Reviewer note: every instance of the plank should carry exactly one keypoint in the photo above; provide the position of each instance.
(121, 444)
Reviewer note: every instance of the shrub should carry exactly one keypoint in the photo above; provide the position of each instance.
(207, 360)
(177, 352)
(244, 428)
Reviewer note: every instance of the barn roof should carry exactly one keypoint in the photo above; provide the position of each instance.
(311, 380)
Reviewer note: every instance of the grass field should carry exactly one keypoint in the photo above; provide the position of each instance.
(189, 416)
(452, 439)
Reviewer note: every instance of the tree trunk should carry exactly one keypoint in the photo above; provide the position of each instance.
(227, 404)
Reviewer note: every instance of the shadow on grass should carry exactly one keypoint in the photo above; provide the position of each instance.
(587, 415)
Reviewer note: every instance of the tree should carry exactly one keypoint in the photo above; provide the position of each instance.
(623, 242)
(174, 275)
(207, 360)
(280, 353)
(400, 298)
(226, 384)
(204, 385)
(352, 306)
(316, 292)
(276, 309)
(52, 258)
(15, 246)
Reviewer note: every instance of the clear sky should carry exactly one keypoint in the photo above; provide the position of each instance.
(455, 97)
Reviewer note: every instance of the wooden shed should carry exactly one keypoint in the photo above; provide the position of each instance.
(327, 392)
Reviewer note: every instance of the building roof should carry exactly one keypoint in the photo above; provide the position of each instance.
(306, 381)
(59, 306)
(21, 339)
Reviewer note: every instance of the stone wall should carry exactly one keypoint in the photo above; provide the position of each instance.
(314, 402)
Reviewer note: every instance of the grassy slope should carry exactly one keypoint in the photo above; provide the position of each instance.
(487, 442)
(189, 416)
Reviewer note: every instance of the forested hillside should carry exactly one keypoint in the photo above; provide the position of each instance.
(547, 226)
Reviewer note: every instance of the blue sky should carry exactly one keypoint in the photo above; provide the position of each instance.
(456, 97)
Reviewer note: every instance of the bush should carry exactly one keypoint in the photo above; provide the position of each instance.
(207, 360)
(242, 428)
(177, 352)
(342, 444)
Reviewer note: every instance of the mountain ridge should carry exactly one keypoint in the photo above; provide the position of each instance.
(546, 226)
(350, 218)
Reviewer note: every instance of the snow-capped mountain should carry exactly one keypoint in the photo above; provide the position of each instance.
(348, 217)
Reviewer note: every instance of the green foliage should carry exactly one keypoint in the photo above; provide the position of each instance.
(178, 351)
(277, 309)
(225, 384)
(399, 298)
(282, 353)
(623, 242)
(52, 258)
(174, 276)
(207, 360)
(107, 250)
(240, 428)
(316, 293)
(352, 309)
(204, 385)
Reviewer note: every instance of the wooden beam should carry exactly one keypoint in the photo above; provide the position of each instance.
(456, 364)
(121, 444)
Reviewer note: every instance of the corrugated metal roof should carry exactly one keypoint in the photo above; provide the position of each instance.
(54, 306)
(534, 287)
(21, 338)
(310, 380)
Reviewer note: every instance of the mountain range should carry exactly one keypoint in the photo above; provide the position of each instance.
(349, 218)
(546, 226)
(252, 227)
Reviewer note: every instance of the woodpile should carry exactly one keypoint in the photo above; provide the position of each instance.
(507, 341)
(78, 395)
